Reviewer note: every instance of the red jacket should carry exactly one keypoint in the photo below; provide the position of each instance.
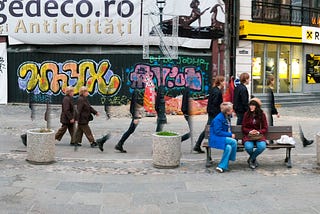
(248, 125)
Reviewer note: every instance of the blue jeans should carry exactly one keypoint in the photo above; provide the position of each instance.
(249, 146)
(229, 153)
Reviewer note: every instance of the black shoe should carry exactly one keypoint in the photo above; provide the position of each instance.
(75, 144)
(101, 141)
(24, 139)
(240, 149)
(93, 144)
(255, 162)
(198, 149)
(251, 164)
(307, 142)
(120, 149)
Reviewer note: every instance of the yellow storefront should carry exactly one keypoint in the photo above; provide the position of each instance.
(276, 50)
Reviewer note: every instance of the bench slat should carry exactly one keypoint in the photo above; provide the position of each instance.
(205, 144)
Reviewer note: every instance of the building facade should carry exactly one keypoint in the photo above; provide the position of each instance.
(280, 38)
(113, 47)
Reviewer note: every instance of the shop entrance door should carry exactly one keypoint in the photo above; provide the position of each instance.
(284, 69)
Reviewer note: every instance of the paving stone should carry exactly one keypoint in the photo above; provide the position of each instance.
(80, 186)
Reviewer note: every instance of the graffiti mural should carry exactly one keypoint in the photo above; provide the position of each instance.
(171, 76)
(110, 78)
(52, 78)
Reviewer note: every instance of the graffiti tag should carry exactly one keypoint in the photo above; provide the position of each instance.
(170, 77)
(52, 78)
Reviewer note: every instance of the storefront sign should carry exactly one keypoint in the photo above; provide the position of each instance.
(310, 35)
(244, 51)
(116, 22)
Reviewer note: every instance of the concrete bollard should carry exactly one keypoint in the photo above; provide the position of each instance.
(318, 147)
(40, 146)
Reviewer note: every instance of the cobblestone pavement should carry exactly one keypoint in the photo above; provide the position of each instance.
(89, 181)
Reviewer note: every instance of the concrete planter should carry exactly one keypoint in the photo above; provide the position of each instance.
(40, 146)
(166, 151)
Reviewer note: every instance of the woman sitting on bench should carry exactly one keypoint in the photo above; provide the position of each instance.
(254, 127)
(221, 136)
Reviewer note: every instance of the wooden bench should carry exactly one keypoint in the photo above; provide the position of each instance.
(274, 133)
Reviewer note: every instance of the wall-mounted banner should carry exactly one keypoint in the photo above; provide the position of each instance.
(103, 22)
(3, 74)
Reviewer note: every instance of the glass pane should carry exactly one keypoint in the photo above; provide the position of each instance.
(296, 12)
(296, 68)
(271, 63)
(283, 73)
(257, 67)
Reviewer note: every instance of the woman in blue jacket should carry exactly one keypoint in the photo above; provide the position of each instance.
(221, 136)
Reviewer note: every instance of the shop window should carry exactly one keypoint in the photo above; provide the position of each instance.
(296, 68)
(283, 61)
(258, 67)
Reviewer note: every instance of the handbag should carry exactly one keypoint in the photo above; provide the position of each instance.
(255, 137)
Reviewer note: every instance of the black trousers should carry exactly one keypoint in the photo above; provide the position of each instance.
(187, 135)
(160, 125)
(130, 130)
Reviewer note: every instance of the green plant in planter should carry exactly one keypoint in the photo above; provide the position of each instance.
(166, 133)
(44, 130)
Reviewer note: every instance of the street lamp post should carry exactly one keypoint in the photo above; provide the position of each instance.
(161, 108)
(219, 55)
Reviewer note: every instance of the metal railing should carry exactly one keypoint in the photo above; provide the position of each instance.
(285, 14)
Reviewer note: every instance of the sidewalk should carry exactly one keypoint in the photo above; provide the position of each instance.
(90, 181)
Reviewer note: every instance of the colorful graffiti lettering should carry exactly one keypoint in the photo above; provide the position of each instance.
(172, 77)
(52, 78)
(194, 61)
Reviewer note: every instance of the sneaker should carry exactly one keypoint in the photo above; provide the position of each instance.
(251, 164)
(198, 149)
(255, 162)
(219, 170)
(93, 144)
(120, 149)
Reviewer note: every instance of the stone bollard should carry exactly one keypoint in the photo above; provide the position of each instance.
(318, 148)
(40, 146)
